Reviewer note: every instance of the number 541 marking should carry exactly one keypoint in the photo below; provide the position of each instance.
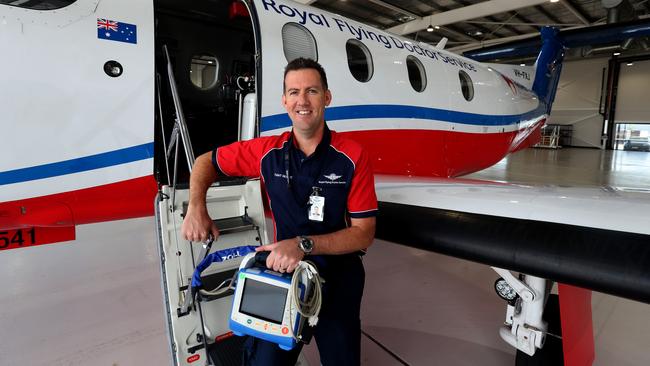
(17, 238)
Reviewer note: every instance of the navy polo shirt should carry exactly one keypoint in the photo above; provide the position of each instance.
(339, 170)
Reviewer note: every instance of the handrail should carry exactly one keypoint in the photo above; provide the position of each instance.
(162, 126)
(180, 126)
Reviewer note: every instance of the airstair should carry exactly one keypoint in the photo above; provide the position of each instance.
(197, 322)
(550, 137)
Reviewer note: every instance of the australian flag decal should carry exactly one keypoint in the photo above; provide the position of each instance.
(116, 31)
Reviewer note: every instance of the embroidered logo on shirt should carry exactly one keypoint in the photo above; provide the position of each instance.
(332, 176)
(333, 179)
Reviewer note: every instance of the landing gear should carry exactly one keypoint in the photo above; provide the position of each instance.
(552, 352)
(532, 322)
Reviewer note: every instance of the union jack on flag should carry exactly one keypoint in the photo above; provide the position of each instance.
(116, 31)
(106, 24)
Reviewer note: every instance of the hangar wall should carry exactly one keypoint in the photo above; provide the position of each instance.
(577, 101)
(633, 90)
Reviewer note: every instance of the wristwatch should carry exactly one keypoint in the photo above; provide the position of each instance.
(305, 244)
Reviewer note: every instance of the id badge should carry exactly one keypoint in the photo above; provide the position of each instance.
(317, 205)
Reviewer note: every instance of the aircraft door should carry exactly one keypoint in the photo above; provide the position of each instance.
(212, 48)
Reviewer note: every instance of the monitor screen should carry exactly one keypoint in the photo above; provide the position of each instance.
(263, 301)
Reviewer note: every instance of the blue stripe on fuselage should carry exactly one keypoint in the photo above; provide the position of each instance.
(145, 151)
(91, 162)
(405, 111)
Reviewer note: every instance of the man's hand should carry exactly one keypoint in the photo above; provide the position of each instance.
(197, 225)
(284, 256)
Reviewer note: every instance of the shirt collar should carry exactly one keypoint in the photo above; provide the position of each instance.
(322, 145)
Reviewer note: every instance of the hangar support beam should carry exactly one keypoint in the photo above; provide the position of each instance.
(578, 14)
(464, 13)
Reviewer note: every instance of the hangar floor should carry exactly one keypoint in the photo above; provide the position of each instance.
(572, 166)
(97, 301)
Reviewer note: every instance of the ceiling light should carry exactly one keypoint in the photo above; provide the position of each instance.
(630, 64)
(478, 33)
(617, 53)
(437, 26)
(554, 1)
(429, 28)
(522, 64)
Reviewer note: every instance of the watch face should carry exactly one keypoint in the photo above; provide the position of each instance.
(306, 244)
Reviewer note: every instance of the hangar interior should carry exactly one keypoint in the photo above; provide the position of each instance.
(453, 315)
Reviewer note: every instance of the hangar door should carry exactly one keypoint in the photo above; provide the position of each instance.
(632, 107)
(577, 103)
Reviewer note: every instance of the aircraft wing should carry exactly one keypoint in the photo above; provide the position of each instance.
(596, 238)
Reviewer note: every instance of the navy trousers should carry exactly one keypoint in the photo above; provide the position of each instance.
(338, 333)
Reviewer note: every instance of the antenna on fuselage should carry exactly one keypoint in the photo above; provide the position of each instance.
(443, 42)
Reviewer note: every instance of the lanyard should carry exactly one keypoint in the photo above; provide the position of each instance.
(288, 161)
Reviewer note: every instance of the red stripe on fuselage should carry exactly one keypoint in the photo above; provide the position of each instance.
(122, 200)
(434, 153)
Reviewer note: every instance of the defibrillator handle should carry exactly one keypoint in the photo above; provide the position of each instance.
(260, 258)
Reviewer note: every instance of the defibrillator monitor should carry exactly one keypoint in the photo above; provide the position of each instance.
(262, 307)
(263, 300)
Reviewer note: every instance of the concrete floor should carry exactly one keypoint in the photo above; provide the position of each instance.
(572, 167)
(97, 301)
(92, 301)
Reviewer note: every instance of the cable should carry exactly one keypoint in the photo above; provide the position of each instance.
(246, 80)
(217, 290)
(310, 308)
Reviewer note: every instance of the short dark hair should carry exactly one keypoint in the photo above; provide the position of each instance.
(302, 63)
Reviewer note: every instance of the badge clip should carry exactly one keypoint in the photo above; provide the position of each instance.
(316, 205)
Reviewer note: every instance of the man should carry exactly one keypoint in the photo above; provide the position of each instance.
(321, 193)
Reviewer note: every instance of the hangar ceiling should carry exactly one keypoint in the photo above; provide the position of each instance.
(467, 24)
(473, 24)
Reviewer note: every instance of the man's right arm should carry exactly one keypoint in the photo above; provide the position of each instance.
(197, 224)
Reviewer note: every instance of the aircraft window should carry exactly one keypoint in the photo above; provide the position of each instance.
(359, 60)
(417, 74)
(39, 4)
(204, 71)
(297, 41)
(466, 85)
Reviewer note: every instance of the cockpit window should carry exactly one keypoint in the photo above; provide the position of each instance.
(204, 71)
(38, 4)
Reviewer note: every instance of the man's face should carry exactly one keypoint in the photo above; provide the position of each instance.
(305, 99)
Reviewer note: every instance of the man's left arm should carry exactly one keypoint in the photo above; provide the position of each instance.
(357, 237)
